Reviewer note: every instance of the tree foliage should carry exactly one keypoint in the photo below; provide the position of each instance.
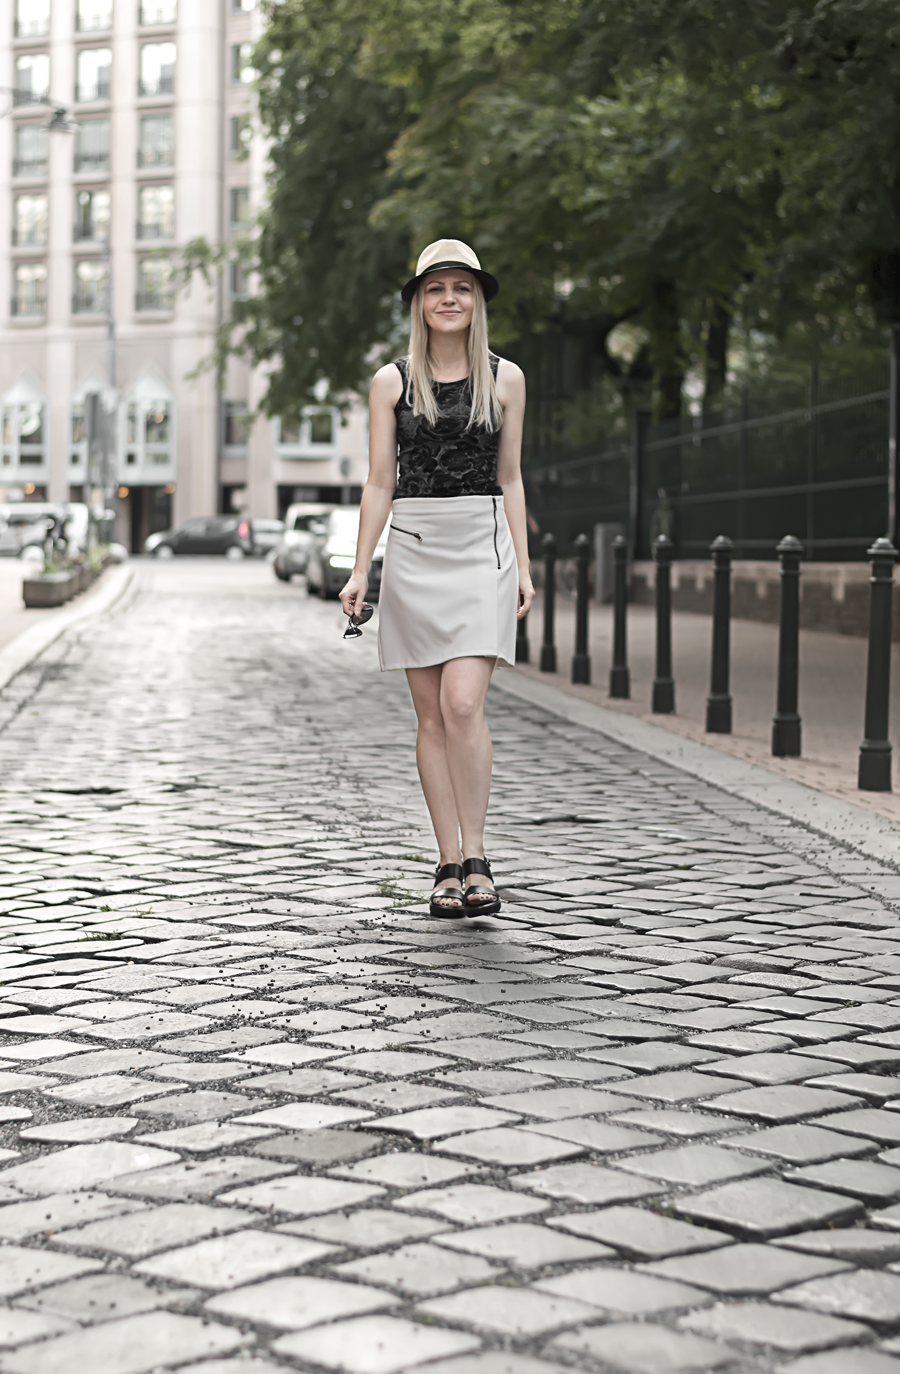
(678, 167)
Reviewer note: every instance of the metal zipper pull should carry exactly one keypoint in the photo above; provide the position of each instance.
(496, 550)
(412, 533)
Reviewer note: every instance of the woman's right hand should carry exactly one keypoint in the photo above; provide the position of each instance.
(353, 594)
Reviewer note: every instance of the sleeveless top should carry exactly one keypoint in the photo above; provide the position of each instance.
(446, 458)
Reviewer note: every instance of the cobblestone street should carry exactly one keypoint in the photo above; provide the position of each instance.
(260, 1112)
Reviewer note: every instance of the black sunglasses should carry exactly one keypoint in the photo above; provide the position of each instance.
(353, 631)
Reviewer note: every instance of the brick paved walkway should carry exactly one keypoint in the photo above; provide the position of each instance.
(260, 1112)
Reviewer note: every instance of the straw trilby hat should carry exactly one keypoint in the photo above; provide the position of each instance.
(450, 253)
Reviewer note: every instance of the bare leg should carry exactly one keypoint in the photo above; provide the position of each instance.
(431, 759)
(463, 688)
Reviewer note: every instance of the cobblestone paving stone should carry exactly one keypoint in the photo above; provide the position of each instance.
(260, 1112)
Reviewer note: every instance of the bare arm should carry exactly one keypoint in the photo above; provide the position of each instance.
(378, 494)
(511, 390)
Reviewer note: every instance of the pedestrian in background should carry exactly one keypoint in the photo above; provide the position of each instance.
(455, 578)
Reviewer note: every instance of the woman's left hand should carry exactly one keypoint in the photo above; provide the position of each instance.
(526, 595)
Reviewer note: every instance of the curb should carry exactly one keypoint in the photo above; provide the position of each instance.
(864, 831)
(31, 643)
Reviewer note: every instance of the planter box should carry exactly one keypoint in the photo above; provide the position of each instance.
(50, 589)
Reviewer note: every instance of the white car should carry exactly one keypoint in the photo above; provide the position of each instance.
(334, 552)
(302, 522)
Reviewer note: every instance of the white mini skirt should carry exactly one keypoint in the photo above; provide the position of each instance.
(450, 583)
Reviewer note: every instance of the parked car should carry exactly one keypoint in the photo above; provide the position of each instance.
(265, 536)
(25, 525)
(333, 555)
(212, 534)
(301, 523)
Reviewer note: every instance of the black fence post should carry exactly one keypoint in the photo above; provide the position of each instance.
(548, 648)
(786, 721)
(875, 750)
(522, 650)
(581, 661)
(619, 676)
(718, 703)
(663, 703)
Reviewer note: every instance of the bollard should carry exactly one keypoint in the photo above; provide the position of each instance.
(522, 651)
(786, 721)
(581, 662)
(875, 750)
(718, 703)
(619, 677)
(663, 703)
(548, 648)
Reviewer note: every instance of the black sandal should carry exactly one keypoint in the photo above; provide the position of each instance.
(439, 908)
(480, 908)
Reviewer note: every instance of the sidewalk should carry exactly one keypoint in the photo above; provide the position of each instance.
(832, 691)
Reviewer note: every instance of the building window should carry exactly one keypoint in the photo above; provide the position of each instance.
(157, 69)
(236, 427)
(149, 433)
(31, 151)
(240, 133)
(23, 435)
(91, 216)
(156, 212)
(92, 146)
(154, 283)
(321, 426)
(238, 206)
(30, 289)
(238, 282)
(242, 6)
(158, 12)
(93, 14)
(157, 144)
(242, 72)
(30, 221)
(90, 287)
(93, 73)
(32, 78)
(32, 18)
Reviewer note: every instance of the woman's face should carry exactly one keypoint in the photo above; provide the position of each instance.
(449, 299)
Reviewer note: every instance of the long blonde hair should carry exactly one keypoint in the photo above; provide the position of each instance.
(485, 410)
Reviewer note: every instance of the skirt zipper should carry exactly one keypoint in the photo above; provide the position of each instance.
(409, 532)
(496, 550)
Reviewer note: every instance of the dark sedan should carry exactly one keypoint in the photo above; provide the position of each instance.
(214, 534)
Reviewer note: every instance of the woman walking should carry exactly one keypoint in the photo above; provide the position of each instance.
(455, 574)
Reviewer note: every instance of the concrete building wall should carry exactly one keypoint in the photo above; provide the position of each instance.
(48, 348)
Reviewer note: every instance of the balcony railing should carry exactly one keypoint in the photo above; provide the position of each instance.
(90, 91)
(91, 23)
(92, 162)
(33, 305)
(23, 97)
(29, 238)
(163, 85)
(32, 28)
(158, 299)
(156, 157)
(91, 302)
(88, 233)
(29, 167)
(154, 231)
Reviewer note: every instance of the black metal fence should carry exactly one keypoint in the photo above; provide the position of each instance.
(812, 460)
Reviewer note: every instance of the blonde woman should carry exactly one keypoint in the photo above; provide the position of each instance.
(455, 575)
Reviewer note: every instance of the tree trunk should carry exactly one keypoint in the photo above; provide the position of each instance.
(716, 353)
(664, 324)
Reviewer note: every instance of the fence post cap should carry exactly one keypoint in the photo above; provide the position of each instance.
(620, 542)
(721, 544)
(663, 549)
(789, 544)
(583, 544)
(882, 548)
(548, 543)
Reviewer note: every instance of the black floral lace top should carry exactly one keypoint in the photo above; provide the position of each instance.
(445, 459)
